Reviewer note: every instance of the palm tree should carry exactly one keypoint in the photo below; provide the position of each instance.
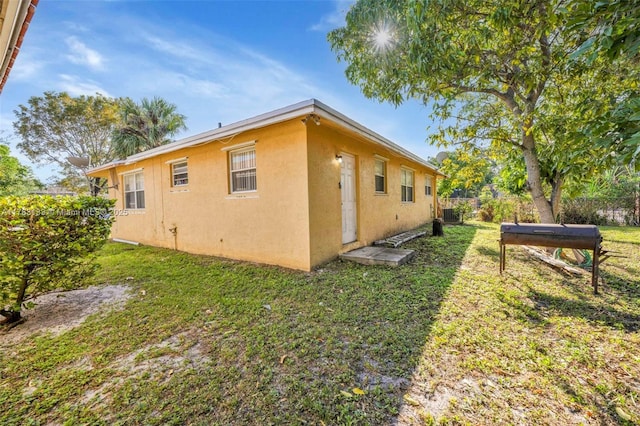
(146, 125)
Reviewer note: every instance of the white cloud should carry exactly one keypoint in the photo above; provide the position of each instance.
(25, 67)
(76, 87)
(334, 19)
(211, 67)
(83, 55)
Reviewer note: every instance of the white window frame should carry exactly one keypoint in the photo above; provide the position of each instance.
(135, 190)
(428, 189)
(243, 150)
(377, 175)
(404, 185)
(182, 181)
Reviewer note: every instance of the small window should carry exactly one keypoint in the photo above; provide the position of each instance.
(406, 185)
(380, 176)
(427, 188)
(243, 170)
(134, 191)
(179, 173)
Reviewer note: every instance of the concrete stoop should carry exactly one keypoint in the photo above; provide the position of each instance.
(376, 255)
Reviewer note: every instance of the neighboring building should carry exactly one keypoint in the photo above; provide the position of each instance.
(15, 16)
(294, 187)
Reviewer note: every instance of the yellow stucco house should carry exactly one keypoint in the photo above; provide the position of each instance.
(294, 187)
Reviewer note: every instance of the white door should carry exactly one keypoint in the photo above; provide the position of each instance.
(348, 188)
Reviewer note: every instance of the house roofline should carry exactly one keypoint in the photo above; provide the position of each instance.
(310, 106)
(16, 16)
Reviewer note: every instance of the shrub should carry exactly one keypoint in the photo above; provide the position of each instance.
(463, 209)
(48, 243)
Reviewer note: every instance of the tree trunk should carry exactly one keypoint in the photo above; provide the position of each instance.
(556, 194)
(534, 180)
(15, 316)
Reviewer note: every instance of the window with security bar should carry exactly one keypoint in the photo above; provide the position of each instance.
(179, 173)
(243, 170)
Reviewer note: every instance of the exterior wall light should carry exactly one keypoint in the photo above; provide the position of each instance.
(339, 159)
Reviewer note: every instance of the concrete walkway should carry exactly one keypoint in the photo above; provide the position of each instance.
(379, 256)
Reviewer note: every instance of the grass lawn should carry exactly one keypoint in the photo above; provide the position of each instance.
(443, 340)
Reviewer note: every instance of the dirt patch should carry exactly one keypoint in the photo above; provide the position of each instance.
(58, 312)
(154, 362)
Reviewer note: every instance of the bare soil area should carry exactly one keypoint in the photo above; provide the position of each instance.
(58, 312)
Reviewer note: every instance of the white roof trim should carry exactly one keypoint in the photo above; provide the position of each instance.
(176, 160)
(238, 146)
(129, 172)
(311, 106)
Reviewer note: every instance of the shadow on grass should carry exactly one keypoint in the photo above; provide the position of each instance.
(597, 309)
(595, 313)
(489, 252)
(221, 342)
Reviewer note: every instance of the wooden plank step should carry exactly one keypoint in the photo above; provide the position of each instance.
(397, 240)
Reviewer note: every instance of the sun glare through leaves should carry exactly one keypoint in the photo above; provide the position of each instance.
(382, 36)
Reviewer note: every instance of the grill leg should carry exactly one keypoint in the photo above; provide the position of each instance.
(595, 269)
(502, 257)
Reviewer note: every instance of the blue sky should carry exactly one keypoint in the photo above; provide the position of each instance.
(218, 61)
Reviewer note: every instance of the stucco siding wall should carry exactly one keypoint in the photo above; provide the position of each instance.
(267, 226)
(378, 215)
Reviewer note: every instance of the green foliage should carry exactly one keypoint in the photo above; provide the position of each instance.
(500, 70)
(146, 125)
(463, 209)
(505, 209)
(15, 178)
(610, 30)
(466, 170)
(608, 27)
(47, 243)
(56, 126)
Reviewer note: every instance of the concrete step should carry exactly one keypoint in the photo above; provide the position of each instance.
(379, 256)
(399, 239)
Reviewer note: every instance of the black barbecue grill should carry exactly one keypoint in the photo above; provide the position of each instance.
(586, 237)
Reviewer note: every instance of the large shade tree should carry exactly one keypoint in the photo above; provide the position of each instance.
(57, 126)
(146, 125)
(503, 70)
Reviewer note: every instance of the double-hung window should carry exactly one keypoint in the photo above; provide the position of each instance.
(406, 185)
(179, 173)
(381, 176)
(134, 190)
(427, 188)
(242, 167)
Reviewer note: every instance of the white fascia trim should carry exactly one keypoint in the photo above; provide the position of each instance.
(128, 172)
(176, 160)
(238, 146)
(105, 166)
